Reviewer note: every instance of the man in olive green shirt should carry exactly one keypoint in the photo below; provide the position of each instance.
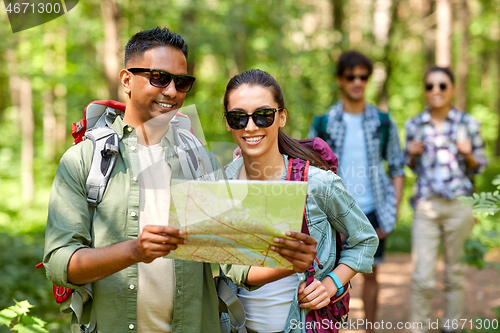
(112, 250)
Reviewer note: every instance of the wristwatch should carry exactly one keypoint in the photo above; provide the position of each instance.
(338, 284)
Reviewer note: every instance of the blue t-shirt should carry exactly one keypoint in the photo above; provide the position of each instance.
(354, 168)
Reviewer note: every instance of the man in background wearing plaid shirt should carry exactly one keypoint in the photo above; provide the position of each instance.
(363, 137)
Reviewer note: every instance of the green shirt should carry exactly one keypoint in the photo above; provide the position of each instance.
(116, 219)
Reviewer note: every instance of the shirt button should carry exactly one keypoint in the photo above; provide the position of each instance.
(132, 148)
(130, 128)
(133, 214)
(131, 326)
(131, 287)
(134, 179)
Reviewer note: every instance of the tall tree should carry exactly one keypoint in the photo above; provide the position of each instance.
(463, 65)
(60, 88)
(389, 12)
(338, 23)
(27, 149)
(497, 150)
(429, 45)
(443, 33)
(110, 17)
(49, 119)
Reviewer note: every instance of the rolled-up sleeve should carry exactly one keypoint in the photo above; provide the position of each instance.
(346, 216)
(395, 157)
(68, 222)
(477, 144)
(238, 275)
(410, 128)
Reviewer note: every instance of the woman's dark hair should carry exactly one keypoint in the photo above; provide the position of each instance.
(352, 59)
(286, 144)
(146, 40)
(445, 70)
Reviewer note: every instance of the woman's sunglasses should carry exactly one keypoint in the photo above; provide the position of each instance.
(161, 79)
(430, 86)
(262, 118)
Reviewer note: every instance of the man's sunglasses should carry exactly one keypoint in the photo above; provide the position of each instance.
(262, 118)
(162, 79)
(351, 78)
(430, 86)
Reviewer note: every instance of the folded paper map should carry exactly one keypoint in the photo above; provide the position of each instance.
(234, 222)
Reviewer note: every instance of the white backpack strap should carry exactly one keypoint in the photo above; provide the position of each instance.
(230, 303)
(79, 298)
(193, 157)
(106, 148)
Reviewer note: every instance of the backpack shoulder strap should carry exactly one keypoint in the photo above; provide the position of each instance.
(106, 148)
(385, 124)
(193, 157)
(320, 123)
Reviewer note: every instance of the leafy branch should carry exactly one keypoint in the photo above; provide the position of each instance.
(16, 318)
(485, 203)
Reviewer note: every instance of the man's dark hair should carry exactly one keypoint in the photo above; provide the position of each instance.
(352, 59)
(445, 70)
(146, 40)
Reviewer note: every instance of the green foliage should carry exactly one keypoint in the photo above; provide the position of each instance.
(486, 234)
(16, 317)
(19, 279)
(485, 203)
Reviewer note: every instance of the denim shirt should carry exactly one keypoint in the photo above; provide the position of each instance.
(383, 192)
(329, 207)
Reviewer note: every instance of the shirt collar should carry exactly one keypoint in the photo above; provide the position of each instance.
(370, 111)
(426, 115)
(119, 126)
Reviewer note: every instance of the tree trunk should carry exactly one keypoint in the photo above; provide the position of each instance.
(384, 22)
(338, 22)
(27, 151)
(497, 150)
(49, 126)
(355, 22)
(463, 65)
(49, 119)
(60, 89)
(443, 33)
(429, 44)
(110, 16)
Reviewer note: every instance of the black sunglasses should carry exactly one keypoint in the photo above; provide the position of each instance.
(161, 79)
(430, 86)
(262, 118)
(351, 78)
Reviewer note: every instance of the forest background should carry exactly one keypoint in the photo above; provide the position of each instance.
(49, 73)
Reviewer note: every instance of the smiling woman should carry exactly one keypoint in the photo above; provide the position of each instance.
(255, 114)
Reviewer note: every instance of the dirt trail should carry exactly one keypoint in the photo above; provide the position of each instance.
(482, 288)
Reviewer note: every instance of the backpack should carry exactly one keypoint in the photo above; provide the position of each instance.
(338, 308)
(96, 126)
(320, 124)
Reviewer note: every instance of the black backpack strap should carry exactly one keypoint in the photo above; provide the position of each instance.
(385, 125)
(320, 124)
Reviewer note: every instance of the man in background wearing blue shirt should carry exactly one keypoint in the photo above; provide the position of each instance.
(362, 137)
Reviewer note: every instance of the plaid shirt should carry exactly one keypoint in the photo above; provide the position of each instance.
(441, 170)
(384, 196)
